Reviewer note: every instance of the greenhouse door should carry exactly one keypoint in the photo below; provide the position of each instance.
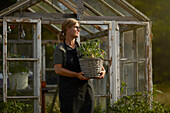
(22, 56)
(135, 57)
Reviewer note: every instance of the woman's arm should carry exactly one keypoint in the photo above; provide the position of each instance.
(65, 72)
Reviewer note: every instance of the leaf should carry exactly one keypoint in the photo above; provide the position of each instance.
(92, 49)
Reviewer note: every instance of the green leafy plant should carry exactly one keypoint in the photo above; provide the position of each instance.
(15, 106)
(91, 49)
(55, 109)
(138, 103)
(3, 106)
(98, 108)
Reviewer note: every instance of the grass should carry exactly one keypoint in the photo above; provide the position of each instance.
(164, 98)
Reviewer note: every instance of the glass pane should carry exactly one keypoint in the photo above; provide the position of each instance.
(51, 78)
(92, 31)
(20, 40)
(122, 79)
(128, 44)
(49, 50)
(101, 104)
(105, 10)
(141, 42)
(20, 50)
(100, 7)
(20, 78)
(104, 46)
(20, 31)
(100, 86)
(62, 6)
(141, 73)
(118, 8)
(128, 78)
(47, 7)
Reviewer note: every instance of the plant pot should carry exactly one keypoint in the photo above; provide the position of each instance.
(91, 67)
(18, 81)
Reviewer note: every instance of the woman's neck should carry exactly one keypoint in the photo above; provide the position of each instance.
(70, 42)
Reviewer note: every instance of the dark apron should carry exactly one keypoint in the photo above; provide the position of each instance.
(76, 96)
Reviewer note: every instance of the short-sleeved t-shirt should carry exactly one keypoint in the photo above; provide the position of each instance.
(69, 61)
(58, 55)
(67, 56)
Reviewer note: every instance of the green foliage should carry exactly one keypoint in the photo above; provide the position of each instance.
(156, 91)
(54, 105)
(91, 49)
(15, 106)
(138, 103)
(3, 106)
(123, 85)
(55, 109)
(98, 108)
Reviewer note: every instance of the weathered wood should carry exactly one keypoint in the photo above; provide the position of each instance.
(30, 41)
(108, 18)
(4, 61)
(47, 16)
(80, 10)
(148, 67)
(22, 97)
(21, 4)
(37, 66)
(22, 59)
(54, 18)
(129, 27)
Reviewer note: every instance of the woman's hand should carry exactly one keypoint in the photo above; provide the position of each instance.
(103, 72)
(81, 77)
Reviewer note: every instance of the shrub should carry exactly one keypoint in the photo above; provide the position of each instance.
(138, 103)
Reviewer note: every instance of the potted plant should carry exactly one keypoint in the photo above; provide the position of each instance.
(91, 60)
(18, 74)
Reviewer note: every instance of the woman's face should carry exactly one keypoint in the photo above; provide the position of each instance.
(74, 31)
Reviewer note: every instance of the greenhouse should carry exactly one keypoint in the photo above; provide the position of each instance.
(29, 31)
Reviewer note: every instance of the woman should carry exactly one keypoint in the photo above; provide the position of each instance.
(75, 91)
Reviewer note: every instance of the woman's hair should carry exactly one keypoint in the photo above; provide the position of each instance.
(66, 24)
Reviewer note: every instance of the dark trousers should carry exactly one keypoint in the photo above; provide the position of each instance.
(77, 99)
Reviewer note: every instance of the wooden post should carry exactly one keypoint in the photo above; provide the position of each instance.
(80, 10)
